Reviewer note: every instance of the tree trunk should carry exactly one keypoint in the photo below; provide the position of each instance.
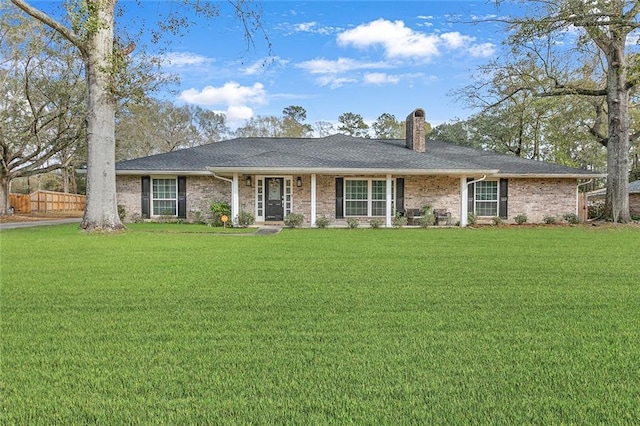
(65, 179)
(101, 212)
(617, 202)
(5, 200)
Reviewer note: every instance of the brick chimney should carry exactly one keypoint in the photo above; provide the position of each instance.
(416, 134)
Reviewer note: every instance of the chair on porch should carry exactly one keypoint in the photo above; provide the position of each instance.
(413, 215)
(442, 216)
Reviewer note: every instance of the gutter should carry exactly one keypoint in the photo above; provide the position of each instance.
(222, 178)
(477, 180)
(348, 171)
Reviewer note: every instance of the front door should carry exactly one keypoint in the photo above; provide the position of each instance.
(275, 196)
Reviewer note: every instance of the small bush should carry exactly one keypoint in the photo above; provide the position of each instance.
(571, 218)
(197, 217)
(399, 221)
(323, 222)
(549, 220)
(136, 218)
(596, 209)
(294, 220)
(353, 222)
(376, 223)
(520, 219)
(496, 220)
(472, 218)
(428, 219)
(245, 219)
(122, 211)
(219, 209)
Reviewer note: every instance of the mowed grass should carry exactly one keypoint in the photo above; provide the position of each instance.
(312, 326)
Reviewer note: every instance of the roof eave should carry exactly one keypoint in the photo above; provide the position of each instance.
(552, 175)
(349, 171)
(134, 172)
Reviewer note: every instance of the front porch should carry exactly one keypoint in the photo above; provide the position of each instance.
(271, 197)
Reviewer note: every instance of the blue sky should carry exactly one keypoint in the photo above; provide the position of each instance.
(331, 57)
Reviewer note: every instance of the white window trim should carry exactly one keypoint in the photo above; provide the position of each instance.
(369, 193)
(287, 203)
(497, 200)
(152, 198)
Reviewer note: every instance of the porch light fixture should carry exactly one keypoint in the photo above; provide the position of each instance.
(247, 181)
(298, 181)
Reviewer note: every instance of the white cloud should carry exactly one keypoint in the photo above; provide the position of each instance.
(305, 27)
(380, 78)
(235, 100)
(484, 50)
(231, 93)
(334, 82)
(341, 65)
(264, 65)
(238, 114)
(396, 39)
(185, 59)
(455, 40)
(399, 41)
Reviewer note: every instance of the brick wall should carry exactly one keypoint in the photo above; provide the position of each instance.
(634, 204)
(201, 191)
(128, 190)
(538, 198)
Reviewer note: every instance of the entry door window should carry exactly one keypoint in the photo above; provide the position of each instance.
(274, 190)
(274, 205)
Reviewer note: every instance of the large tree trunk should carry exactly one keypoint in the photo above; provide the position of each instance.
(101, 212)
(5, 200)
(617, 201)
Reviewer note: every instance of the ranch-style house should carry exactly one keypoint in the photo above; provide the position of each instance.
(341, 176)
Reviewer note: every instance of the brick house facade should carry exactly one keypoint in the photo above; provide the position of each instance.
(341, 176)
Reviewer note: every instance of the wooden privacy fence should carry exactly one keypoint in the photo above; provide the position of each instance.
(47, 201)
(583, 210)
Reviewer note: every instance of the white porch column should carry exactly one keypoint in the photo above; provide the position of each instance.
(388, 203)
(464, 196)
(235, 200)
(313, 199)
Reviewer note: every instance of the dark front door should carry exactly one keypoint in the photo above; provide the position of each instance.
(275, 196)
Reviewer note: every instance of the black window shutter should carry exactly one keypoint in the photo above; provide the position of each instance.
(182, 196)
(339, 198)
(400, 195)
(471, 193)
(145, 201)
(504, 197)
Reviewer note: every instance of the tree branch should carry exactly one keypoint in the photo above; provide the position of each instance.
(49, 21)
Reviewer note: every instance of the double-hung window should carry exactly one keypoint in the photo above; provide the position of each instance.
(165, 197)
(486, 198)
(366, 197)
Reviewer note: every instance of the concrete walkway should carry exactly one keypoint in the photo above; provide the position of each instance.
(14, 225)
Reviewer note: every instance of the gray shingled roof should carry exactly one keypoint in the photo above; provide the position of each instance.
(634, 188)
(339, 153)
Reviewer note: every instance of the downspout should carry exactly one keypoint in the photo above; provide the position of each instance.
(222, 178)
(234, 212)
(477, 180)
(585, 199)
(464, 191)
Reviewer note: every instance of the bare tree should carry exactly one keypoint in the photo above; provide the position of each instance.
(91, 31)
(602, 26)
(42, 107)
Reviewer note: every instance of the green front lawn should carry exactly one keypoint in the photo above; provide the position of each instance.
(317, 326)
